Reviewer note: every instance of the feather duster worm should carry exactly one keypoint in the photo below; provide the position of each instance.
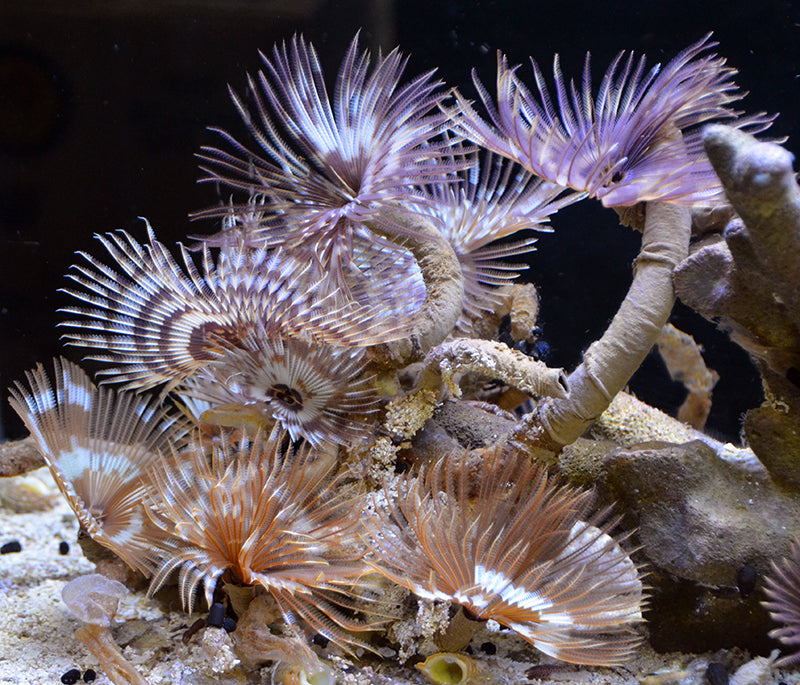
(263, 514)
(783, 602)
(619, 146)
(98, 445)
(316, 392)
(513, 548)
(494, 199)
(327, 164)
(160, 324)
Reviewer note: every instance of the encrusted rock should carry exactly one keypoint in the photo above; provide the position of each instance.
(700, 518)
(19, 456)
(582, 462)
(457, 424)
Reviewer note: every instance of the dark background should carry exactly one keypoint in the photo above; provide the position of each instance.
(102, 105)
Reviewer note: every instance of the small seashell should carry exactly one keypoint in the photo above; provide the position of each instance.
(450, 668)
(288, 676)
(216, 615)
(11, 547)
(298, 665)
(669, 677)
(71, 677)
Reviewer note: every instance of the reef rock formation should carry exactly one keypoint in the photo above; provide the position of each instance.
(748, 279)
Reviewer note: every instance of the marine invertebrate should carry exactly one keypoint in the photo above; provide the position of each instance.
(445, 364)
(94, 599)
(379, 267)
(782, 588)
(493, 199)
(295, 663)
(160, 324)
(620, 145)
(318, 392)
(263, 513)
(444, 285)
(99, 444)
(512, 547)
(330, 177)
(328, 167)
(585, 146)
(609, 362)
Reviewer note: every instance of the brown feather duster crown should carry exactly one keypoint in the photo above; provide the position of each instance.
(513, 547)
(264, 513)
(99, 446)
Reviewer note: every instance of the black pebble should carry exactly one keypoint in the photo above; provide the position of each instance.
(10, 547)
(401, 467)
(63, 547)
(229, 624)
(71, 677)
(216, 615)
(746, 579)
(717, 674)
(89, 675)
(320, 640)
(489, 648)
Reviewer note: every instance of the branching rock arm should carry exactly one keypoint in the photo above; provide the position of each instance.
(747, 279)
(450, 360)
(760, 184)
